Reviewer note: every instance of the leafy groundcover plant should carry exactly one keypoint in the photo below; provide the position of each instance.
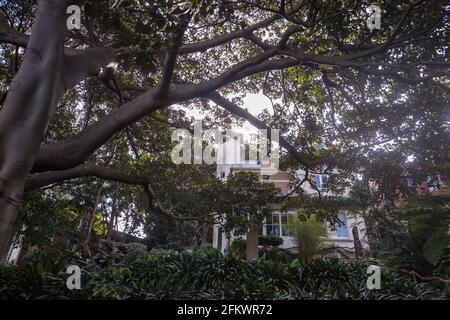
(200, 274)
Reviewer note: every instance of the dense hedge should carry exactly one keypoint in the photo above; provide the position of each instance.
(201, 274)
(270, 240)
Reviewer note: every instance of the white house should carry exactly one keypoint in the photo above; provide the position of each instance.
(340, 240)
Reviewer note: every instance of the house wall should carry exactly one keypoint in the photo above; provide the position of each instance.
(281, 180)
(331, 241)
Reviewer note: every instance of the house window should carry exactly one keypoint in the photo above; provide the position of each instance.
(219, 239)
(410, 182)
(320, 180)
(278, 224)
(273, 225)
(341, 228)
(222, 175)
(287, 227)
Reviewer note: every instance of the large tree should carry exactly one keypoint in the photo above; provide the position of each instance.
(339, 82)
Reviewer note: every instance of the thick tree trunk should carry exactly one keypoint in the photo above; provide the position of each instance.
(47, 71)
(7, 218)
(357, 243)
(204, 234)
(32, 99)
(251, 250)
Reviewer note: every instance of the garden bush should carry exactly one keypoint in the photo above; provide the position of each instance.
(273, 241)
(238, 247)
(200, 274)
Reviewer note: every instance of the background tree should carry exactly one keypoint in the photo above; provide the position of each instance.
(247, 202)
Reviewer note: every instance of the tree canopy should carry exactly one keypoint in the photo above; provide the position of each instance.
(375, 99)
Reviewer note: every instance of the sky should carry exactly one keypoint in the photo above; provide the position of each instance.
(254, 103)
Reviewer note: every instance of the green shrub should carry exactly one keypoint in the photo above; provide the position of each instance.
(277, 254)
(308, 233)
(416, 236)
(270, 240)
(201, 274)
(238, 247)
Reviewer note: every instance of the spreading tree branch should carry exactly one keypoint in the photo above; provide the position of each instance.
(86, 170)
(236, 110)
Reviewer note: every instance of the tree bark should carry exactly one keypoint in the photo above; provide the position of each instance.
(113, 215)
(47, 71)
(87, 170)
(86, 242)
(31, 100)
(251, 250)
(204, 233)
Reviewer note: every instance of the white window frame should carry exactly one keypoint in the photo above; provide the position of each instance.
(346, 227)
(283, 233)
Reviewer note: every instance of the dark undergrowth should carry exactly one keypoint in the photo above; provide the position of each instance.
(200, 274)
